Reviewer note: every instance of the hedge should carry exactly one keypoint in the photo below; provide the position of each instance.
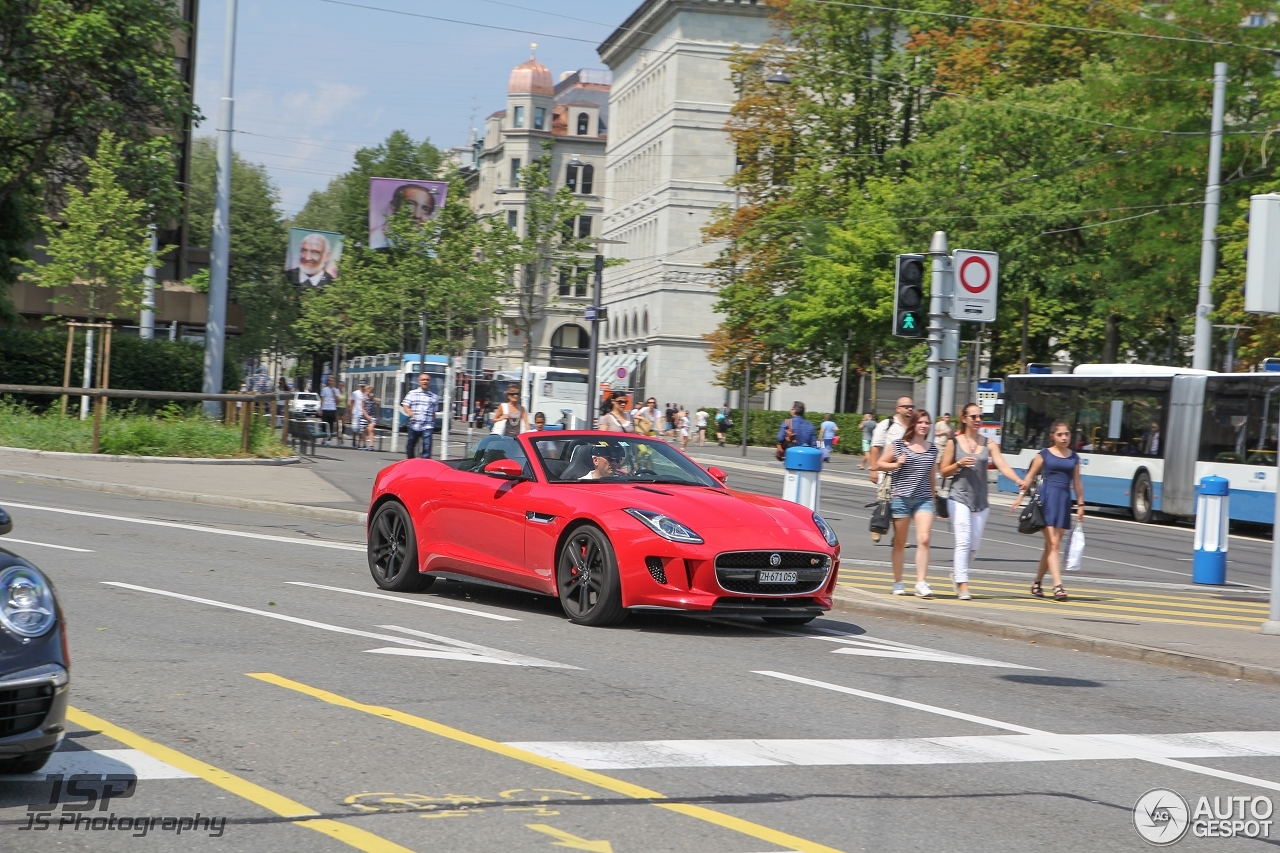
(764, 424)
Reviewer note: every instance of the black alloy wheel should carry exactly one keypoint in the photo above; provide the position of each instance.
(587, 579)
(393, 550)
(1140, 498)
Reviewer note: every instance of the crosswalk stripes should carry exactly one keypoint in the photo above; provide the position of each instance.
(1209, 608)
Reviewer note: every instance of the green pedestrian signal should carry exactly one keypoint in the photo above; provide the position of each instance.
(909, 321)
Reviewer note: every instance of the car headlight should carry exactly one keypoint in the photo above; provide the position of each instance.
(26, 602)
(826, 531)
(667, 528)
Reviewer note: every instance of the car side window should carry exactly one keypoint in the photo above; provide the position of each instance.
(491, 448)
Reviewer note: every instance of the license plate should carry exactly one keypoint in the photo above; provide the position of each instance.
(777, 577)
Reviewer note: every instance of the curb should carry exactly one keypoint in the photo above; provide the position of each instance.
(320, 512)
(113, 457)
(856, 600)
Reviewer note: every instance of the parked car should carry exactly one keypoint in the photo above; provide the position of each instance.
(34, 665)
(304, 404)
(608, 522)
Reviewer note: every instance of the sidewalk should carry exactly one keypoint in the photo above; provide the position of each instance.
(1213, 631)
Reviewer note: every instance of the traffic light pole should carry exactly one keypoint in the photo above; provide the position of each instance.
(938, 289)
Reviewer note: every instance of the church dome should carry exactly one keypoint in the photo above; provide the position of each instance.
(530, 78)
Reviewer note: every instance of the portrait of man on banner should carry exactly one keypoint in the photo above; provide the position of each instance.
(313, 256)
(421, 201)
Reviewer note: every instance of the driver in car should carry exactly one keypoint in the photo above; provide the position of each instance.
(609, 460)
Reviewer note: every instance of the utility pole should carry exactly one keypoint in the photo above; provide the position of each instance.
(147, 322)
(746, 399)
(844, 372)
(1209, 238)
(597, 292)
(215, 329)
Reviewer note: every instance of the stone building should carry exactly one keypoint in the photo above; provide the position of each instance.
(668, 159)
(572, 114)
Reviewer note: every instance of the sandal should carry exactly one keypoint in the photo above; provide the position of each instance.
(1059, 594)
(1037, 590)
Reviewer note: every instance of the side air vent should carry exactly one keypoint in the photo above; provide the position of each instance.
(654, 565)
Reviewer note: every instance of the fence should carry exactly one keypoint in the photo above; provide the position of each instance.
(231, 414)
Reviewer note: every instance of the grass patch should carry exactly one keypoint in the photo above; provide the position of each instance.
(170, 432)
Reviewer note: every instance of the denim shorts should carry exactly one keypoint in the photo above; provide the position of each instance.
(908, 507)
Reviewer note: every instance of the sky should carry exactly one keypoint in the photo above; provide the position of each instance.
(315, 80)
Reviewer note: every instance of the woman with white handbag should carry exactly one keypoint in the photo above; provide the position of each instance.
(965, 459)
(510, 418)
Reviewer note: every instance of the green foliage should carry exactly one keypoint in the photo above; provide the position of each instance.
(172, 432)
(763, 426)
(69, 71)
(99, 246)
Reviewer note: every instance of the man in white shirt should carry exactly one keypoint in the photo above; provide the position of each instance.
(887, 432)
(329, 406)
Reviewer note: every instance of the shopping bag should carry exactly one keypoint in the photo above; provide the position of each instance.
(1075, 548)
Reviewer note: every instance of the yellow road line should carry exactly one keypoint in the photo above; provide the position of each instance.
(1118, 595)
(243, 788)
(1079, 610)
(618, 786)
(1109, 599)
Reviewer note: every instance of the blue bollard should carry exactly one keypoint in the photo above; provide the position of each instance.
(1213, 523)
(801, 484)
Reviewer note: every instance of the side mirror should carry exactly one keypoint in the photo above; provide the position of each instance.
(6, 523)
(718, 474)
(505, 469)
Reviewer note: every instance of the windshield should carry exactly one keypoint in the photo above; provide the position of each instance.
(624, 459)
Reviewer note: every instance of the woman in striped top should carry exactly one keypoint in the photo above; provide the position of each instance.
(914, 463)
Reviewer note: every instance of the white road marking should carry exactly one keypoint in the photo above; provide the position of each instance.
(290, 540)
(982, 749)
(861, 644)
(418, 602)
(987, 721)
(504, 657)
(456, 649)
(47, 545)
(104, 761)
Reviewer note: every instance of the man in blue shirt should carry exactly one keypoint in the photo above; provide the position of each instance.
(420, 406)
(796, 431)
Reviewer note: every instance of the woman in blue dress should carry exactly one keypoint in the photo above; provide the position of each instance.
(1061, 468)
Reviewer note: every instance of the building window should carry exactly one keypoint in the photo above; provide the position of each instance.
(517, 118)
(515, 171)
(588, 179)
(580, 179)
(584, 226)
(574, 282)
(513, 220)
(1256, 19)
(571, 178)
(570, 336)
(646, 321)
(584, 122)
(539, 118)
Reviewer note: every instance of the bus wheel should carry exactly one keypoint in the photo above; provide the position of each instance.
(1140, 499)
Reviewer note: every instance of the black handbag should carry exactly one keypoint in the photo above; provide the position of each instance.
(881, 517)
(940, 508)
(1031, 519)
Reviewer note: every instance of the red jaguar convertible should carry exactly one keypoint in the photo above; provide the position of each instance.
(608, 522)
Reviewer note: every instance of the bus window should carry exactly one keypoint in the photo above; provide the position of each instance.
(1120, 417)
(1240, 421)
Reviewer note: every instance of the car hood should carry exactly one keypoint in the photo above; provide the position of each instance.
(701, 508)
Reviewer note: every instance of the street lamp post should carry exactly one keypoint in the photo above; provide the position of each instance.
(215, 329)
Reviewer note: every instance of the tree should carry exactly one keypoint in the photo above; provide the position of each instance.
(549, 247)
(69, 71)
(100, 245)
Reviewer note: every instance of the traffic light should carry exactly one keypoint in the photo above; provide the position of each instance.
(909, 317)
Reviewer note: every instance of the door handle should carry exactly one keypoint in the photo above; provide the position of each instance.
(539, 517)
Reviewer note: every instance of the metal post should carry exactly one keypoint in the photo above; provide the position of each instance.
(937, 288)
(215, 328)
(447, 408)
(844, 373)
(746, 401)
(1209, 238)
(597, 294)
(147, 323)
(66, 366)
(1272, 625)
(87, 379)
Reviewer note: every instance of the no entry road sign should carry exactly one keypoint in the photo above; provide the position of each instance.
(977, 276)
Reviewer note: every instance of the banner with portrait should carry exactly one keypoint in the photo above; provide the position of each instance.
(423, 201)
(313, 256)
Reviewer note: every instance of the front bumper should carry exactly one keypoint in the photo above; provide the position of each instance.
(33, 708)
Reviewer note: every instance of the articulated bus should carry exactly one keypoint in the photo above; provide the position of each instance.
(1147, 434)
(392, 375)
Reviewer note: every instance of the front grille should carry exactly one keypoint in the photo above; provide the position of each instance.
(739, 571)
(654, 565)
(22, 708)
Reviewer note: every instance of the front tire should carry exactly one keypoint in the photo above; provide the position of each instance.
(1141, 500)
(393, 550)
(790, 620)
(587, 579)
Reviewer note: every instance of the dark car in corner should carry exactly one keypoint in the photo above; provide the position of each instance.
(34, 667)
